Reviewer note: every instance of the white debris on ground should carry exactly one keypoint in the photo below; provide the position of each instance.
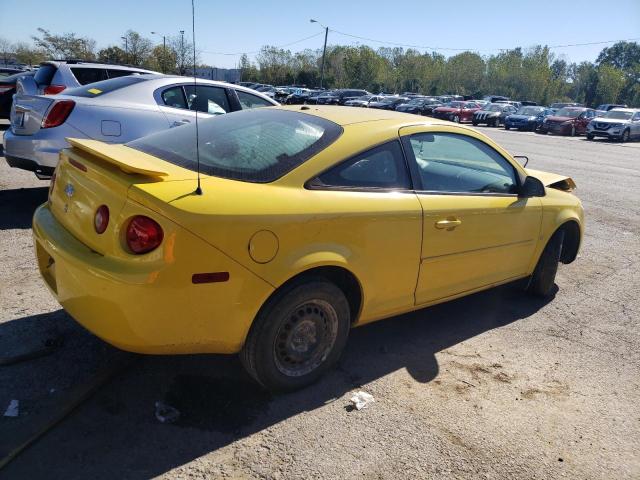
(362, 400)
(13, 409)
(166, 413)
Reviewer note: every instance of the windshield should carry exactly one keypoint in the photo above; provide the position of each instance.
(568, 112)
(257, 145)
(618, 115)
(493, 108)
(530, 110)
(454, 104)
(417, 101)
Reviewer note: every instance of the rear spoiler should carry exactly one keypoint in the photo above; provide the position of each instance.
(126, 159)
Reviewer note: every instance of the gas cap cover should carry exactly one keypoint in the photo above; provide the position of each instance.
(263, 246)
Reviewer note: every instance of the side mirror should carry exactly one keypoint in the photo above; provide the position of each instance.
(532, 187)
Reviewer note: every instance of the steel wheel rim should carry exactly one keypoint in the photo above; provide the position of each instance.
(306, 338)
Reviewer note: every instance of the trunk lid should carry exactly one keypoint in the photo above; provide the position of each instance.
(92, 174)
(27, 113)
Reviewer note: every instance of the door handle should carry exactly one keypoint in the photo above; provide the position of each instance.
(449, 224)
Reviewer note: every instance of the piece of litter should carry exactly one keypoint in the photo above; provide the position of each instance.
(166, 413)
(361, 400)
(13, 409)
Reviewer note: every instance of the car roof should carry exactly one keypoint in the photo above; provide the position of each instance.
(83, 64)
(348, 115)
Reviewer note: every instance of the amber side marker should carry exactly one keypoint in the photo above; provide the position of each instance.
(78, 165)
(212, 277)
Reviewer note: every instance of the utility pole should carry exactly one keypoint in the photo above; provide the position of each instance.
(324, 50)
(164, 51)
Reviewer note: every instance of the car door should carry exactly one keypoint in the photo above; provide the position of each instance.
(583, 120)
(373, 204)
(476, 230)
(179, 103)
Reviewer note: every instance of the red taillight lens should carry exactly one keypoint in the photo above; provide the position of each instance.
(143, 234)
(51, 185)
(101, 219)
(53, 89)
(58, 113)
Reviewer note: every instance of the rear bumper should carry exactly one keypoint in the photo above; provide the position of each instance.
(42, 148)
(150, 306)
(29, 165)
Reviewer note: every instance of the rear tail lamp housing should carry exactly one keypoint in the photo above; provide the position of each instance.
(101, 220)
(58, 113)
(143, 234)
(53, 89)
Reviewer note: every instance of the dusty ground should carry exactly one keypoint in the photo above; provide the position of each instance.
(496, 385)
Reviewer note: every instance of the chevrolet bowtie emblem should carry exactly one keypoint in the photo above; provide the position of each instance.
(69, 190)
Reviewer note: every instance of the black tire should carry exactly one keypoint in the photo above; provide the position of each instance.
(589, 136)
(496, 122)
(474, 123)
(277, 353)
(507, 128)
(572, 133)
(456, 119)
(626, 136)
(543, 277)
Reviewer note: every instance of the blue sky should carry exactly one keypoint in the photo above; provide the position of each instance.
(246, 25)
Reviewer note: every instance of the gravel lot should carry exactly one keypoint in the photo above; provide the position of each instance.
(495, 385)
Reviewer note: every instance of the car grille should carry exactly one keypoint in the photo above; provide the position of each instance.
(602, 126)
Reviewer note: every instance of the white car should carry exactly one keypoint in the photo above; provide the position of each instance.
(618, 124)
(54, 77)
(114, 111)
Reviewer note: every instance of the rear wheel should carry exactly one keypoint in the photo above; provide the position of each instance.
(543, 277)
(298, 335)
(496, 122)
(456, 119)
(475, 124)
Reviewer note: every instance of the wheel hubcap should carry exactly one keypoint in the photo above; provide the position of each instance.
(306, 338)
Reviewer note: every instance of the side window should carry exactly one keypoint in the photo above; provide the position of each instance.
(207, 99)
(636, 117)
(247, 100)
(89, 75)
(119, 73)
(380, 167)
(450, 162)
(174, 97)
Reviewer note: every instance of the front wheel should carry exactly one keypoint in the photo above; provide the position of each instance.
(626, 136)
(298, 335)
(543, 277)
(572, 133)
(496, 122)
(456, 119)
(589, 136)
(507, 127)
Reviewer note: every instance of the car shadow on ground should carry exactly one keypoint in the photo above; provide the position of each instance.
(116, 434)
(17, 206)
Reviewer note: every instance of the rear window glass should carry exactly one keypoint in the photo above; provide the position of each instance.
(89, 75)
(44, 74)
(258, 145)
(104, 87)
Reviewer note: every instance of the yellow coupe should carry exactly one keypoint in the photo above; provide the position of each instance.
(310, 220)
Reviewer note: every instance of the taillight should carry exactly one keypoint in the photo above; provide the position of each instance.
(101, 220)
(51, 185)
(53, 89)
(58, 113)
(5, 88)
(143, 234)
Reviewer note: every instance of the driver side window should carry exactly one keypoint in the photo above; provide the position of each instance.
(454, 163)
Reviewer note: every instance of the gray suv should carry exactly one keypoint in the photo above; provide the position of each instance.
(55, 76)
(620, 123)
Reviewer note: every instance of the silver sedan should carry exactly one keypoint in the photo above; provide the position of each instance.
(115, 111)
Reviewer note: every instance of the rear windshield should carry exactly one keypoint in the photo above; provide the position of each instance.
(257, 145)
(106, 86)
(44, 74)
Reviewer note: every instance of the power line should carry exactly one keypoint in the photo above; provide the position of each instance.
(258, 51)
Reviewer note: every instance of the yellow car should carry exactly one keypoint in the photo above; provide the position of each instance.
(309, 220)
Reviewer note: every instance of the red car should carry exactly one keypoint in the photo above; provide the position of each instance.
(457, 111)
(568, 121)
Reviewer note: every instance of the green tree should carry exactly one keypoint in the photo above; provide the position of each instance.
(112, 54)
(66, 45)
(28, 54)
(138, 48)
(611, 81)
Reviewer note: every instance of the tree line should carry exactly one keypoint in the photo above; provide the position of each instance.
(534, 74)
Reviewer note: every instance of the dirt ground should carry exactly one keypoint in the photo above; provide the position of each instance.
(495, 385)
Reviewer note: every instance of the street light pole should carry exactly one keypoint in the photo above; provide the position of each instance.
(164, 51)
(126, 49)
(181, 52)
(324, 50)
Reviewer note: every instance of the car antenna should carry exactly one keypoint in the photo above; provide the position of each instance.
(198, 190)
